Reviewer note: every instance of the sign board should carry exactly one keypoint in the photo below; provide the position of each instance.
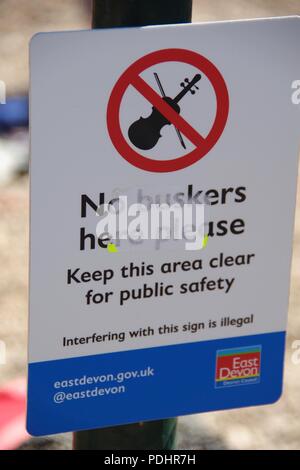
(127, 332)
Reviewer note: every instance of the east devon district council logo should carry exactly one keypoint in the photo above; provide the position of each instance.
(239, 366)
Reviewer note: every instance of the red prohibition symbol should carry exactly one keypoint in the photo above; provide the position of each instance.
(131, 76)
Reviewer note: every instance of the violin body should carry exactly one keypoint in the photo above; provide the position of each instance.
(145, 132)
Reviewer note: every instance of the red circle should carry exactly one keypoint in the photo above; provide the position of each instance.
(113, 109)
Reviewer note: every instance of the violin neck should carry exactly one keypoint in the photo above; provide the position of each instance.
(185, 90)
(181, 94)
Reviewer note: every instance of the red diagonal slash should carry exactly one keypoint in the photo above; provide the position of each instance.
(167, 111)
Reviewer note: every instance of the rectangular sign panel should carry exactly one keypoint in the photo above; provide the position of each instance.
(134, 324)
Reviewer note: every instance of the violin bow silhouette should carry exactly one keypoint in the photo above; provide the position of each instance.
(162, 92)
(145, 132)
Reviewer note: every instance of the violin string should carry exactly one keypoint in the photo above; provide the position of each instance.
(162, 92)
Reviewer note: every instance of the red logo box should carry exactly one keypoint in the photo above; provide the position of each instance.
(239, 366)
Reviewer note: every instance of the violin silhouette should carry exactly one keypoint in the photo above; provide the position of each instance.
(145, 132)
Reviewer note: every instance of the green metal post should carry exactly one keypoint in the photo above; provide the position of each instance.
(151, 435)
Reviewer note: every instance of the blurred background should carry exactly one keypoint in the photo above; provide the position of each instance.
(269, 427)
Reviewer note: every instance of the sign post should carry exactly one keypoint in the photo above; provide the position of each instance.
(159, 434)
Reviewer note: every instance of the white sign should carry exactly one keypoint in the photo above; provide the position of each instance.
(126, 330)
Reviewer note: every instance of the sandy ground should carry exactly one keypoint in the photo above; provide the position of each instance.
(269, 427)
